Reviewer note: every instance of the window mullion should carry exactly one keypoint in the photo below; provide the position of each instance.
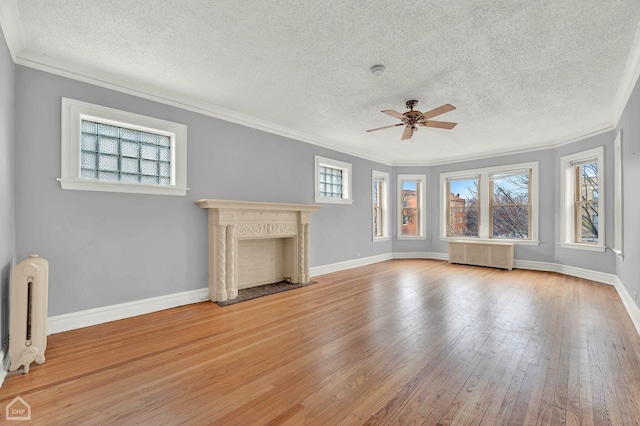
(484, 198)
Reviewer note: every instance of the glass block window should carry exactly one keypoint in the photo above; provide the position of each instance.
(127, 155)
(330, 182)
(110, 150)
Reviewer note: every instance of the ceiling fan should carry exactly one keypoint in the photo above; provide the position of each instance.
(411, 119)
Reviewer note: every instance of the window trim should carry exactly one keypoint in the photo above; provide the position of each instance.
(567, 188)
(375, 174)
(618, 240)
(484, 214)
(421, 208)
(346, 180)
(73, 112)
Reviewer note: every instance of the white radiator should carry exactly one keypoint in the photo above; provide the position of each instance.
(28, 317)
(481, 253)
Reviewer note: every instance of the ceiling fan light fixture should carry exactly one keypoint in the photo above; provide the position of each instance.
(377, 70)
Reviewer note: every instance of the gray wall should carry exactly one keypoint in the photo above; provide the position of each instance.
(603, 262)
(628, 268)
(549, 220)
(109, 248)
(7, 146)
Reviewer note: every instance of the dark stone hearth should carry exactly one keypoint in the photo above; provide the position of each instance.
(262, 290)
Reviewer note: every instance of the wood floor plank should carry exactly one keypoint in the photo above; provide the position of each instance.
(397, 342)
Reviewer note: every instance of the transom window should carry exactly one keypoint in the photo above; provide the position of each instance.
(121, 154)
(494, 202)
(104, 149)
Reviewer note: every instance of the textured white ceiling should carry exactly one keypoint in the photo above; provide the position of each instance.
(521, 74)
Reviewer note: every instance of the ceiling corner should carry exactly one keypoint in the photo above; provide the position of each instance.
(10, 23)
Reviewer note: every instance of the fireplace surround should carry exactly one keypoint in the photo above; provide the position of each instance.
(254, 243)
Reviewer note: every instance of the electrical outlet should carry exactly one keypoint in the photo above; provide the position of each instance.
(358, 254)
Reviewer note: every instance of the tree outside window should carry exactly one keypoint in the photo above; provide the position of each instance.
(586, 203)
(510, 206)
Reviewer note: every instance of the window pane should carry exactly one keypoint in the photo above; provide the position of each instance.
(589, 223)
(330, 182)
(119, 151)
(130, 149)
(130, 165)
(587, 203)
(511, 190)
(108, 162)
(589, 181)
(410, 207)
(108, 145)
(463, 208)
(510, 206)
(89, 142)
(88, 161)
(511, 221)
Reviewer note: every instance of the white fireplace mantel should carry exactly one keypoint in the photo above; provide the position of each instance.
(233, 221)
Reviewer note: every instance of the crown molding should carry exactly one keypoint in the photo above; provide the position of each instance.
(566, 140)
(10, 23)
(173, 99)
(178, 101)
(628, 81)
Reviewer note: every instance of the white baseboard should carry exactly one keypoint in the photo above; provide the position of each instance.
(354, 263)
(587, 274)
(420, 255)
(629, 304)
(74, 320)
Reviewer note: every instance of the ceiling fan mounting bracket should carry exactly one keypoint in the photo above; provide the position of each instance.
(412, 104)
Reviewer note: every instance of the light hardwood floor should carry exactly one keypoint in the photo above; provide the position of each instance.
(398, 342)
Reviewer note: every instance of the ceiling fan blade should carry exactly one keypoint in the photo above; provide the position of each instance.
(438, 124)
(408, 132)
(437, 111)
(385, 127)
(395, 114)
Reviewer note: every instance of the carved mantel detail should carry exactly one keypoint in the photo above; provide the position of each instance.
(232, 221)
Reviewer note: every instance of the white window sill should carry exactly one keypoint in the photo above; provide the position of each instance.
(618, 253)
(586, 247)
(320, 200)
(112, 186)
(494, 240)
(411, 237)
(379, 239)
